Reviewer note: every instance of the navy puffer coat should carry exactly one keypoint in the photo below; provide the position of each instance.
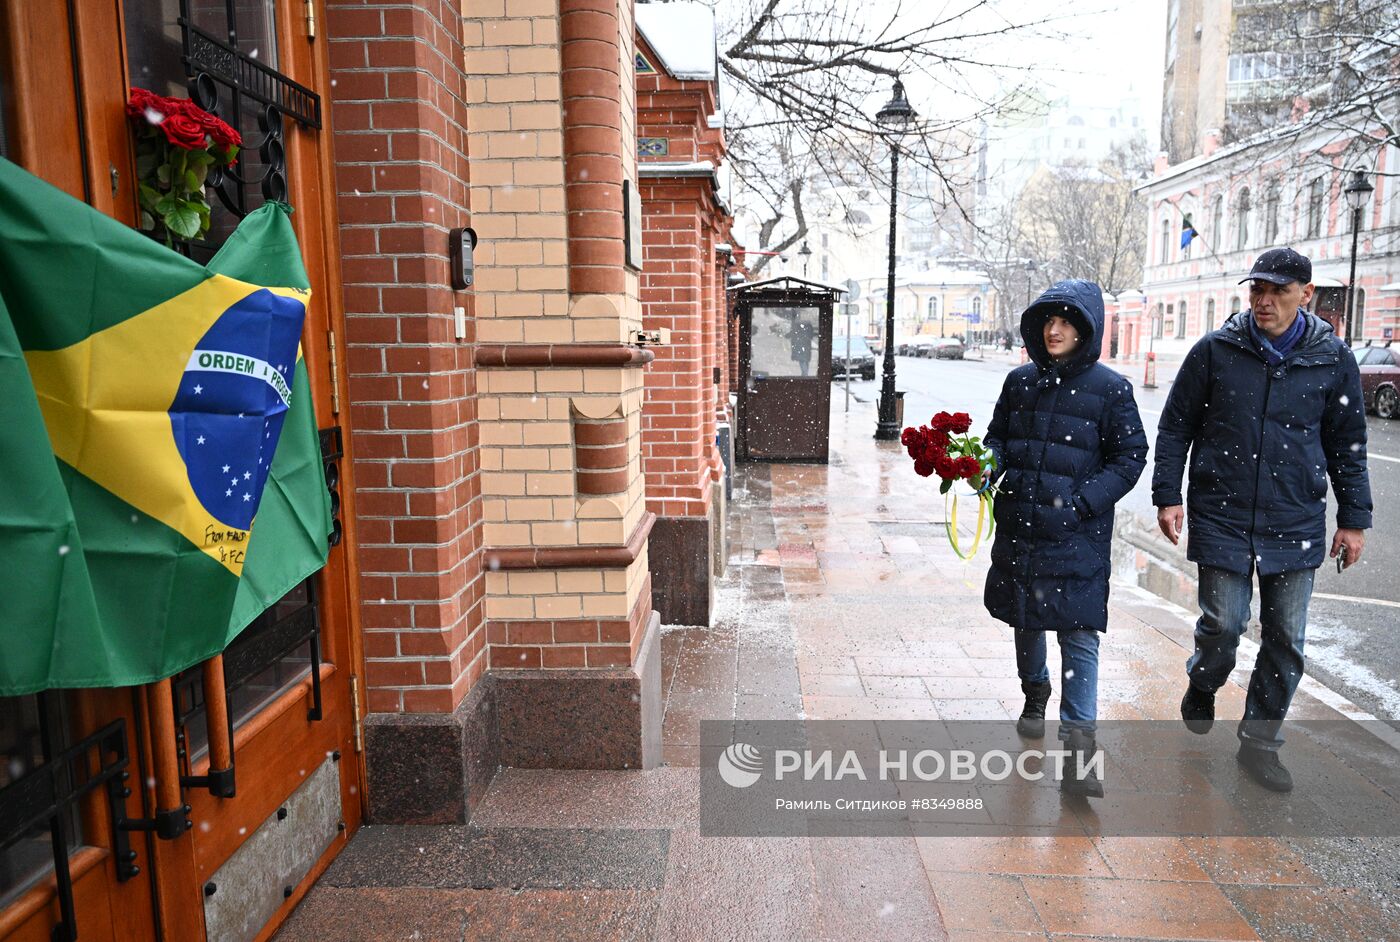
(1263, 441)
(1070, 441)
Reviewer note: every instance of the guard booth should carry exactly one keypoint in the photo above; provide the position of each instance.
(784, 368)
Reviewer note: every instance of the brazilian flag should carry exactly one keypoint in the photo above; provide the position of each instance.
(160, 474)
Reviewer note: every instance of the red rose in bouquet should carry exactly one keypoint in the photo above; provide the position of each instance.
(178, 144)
(184, 132)
(943, 447)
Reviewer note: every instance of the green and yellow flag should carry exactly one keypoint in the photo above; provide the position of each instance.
(160, 473)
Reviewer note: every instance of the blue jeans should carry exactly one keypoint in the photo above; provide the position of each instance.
(1079, 680)
(1283, 617)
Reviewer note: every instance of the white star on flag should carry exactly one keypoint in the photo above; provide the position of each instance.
(247, 497)
(199, 390)
(225, 469)
(228, 493)
(247, 475)
(199, 440)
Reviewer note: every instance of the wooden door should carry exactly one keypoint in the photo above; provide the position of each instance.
(785, 377)
(244, 860)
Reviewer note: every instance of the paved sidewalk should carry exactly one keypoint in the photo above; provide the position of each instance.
(844, 601)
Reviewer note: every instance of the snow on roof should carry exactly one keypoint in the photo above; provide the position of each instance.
(683, 35)
(787, 280)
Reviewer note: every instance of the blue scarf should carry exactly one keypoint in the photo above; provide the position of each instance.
(1276, 351)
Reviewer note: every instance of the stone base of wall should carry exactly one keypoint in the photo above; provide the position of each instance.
(432, 768)
(680, 553)
(719, 532)
(584, 719)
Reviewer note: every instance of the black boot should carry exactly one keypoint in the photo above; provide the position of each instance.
(1081, 748)
(1263, 766)
(1198, 709)
(1032, 721)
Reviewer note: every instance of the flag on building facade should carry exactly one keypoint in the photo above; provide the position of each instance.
(1188, 231)
(156, 410)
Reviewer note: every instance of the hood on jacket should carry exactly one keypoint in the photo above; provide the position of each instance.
(1315, 330)
(1081, 303)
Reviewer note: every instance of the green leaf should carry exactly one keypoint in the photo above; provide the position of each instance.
(200, 158)
(945, 487)
(230, 154)
(149, 196)
(167, 204)
(163, 174)
(148, 222)
(192, 181)
(184, 221)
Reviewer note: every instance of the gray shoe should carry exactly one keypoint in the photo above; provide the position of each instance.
(1031, 723)
(1263, 766)
(1082, 749)
(1198, 709)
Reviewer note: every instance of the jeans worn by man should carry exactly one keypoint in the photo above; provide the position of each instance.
(1269, 407)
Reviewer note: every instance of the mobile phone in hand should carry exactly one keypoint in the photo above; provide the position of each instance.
(1342, 558)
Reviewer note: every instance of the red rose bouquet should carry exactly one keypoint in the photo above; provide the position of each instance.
(943, 447)
(178, 143)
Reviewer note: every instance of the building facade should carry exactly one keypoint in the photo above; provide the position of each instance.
(516, 458)
(1251, 196)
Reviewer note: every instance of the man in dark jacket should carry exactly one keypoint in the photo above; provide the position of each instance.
(1270, 405)
(1070, 444)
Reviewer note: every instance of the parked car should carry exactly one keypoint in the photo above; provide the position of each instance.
(921, 348)
(948, 348)
(861, 362)
(1380, 379)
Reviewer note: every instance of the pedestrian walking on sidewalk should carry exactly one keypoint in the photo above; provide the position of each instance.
(1067, 435)
(1269, 405)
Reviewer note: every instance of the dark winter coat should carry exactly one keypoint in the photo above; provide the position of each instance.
(1263, 441)
(1070, 441)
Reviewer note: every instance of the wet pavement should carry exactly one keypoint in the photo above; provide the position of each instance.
(843, 600)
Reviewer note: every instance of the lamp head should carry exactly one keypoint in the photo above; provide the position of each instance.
(1358, 190)
(898, 114)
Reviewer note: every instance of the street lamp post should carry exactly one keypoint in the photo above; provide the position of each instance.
(1356, 193)
(895, 117)
(806, 254)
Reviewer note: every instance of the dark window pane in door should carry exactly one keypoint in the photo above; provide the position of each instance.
(29, 856)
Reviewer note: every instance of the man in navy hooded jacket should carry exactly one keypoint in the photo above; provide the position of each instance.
(1270, 406)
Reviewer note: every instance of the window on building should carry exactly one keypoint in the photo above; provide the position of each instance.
(1081, 143)
(1181, 319)
(1068, 143)
(826, 240)
(933, 308)
(1210, 316)
(1217, 221)
(977, 310)
(826, 265)
(1076, 121)
(1242, 220)
(1271, 203)
(30, 854)
(1170, 319)
(1317, 192)
(1157, 323)
(1112, 121)
(1135, 122)
(1166, 241)
(1234, 306)
(1360, 316)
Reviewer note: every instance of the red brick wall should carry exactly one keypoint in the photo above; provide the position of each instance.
(674, 453)
(401, 165)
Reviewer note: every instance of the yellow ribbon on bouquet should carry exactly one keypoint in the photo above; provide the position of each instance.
(986, 519)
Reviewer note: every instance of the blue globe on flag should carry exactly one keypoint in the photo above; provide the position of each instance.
(232, 400)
